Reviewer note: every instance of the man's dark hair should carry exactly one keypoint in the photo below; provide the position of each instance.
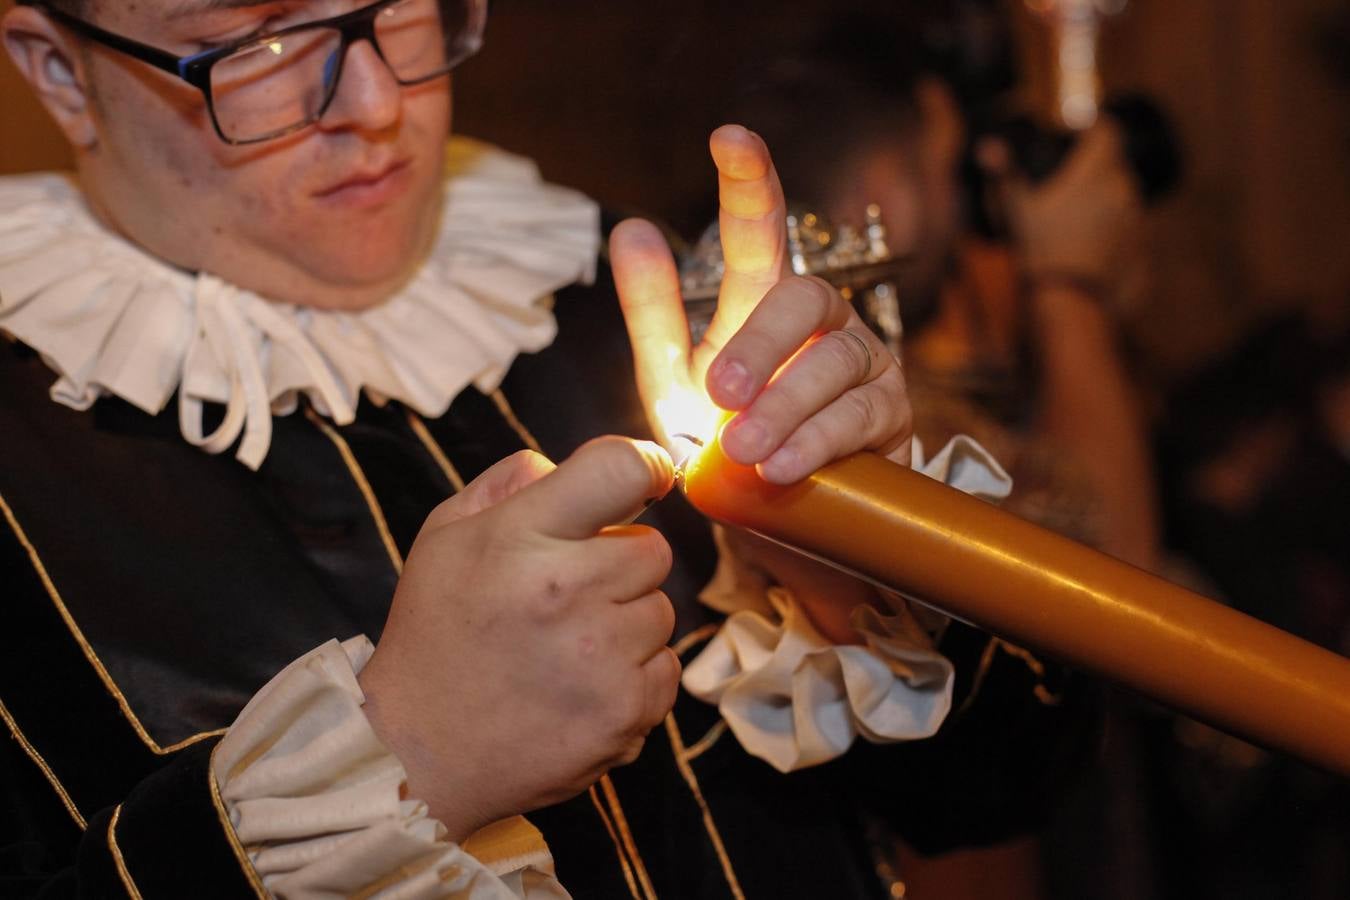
(853, 82)
(850, 86)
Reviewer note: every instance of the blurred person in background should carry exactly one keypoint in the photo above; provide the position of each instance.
(1254, 457)
(1257, 481)
(1011, 338)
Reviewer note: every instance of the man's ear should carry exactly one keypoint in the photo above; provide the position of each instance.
(50, 60)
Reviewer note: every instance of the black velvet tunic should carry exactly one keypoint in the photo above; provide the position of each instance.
(148, 590)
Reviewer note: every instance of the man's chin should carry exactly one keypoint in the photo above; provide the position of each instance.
(350, 282)
(374, 253)
(346, 262)
(366, 268)
(354, 287)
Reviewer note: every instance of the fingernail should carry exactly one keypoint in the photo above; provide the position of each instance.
(733, 379)
(784, 467)
(748, 438)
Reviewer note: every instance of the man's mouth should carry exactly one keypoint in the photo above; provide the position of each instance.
(368, 187)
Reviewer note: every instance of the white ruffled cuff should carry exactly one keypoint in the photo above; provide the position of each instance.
(793, 698)
(318, 801)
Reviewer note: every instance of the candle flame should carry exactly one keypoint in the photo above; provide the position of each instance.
(688, 421)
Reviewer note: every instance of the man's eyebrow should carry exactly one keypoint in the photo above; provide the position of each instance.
(185, 8)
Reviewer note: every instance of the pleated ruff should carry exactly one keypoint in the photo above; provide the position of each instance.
(111, 319)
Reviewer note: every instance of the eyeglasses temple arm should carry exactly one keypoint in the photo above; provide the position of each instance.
(146, 54)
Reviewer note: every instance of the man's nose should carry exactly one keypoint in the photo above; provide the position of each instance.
(368, 96)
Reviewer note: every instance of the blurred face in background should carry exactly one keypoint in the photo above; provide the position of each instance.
(337, 214)
(914, 177)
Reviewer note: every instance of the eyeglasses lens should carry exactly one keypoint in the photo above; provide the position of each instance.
(413, 40)
(281, 83)
(271, 87)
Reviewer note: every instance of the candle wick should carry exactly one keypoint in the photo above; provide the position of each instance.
(683, 458)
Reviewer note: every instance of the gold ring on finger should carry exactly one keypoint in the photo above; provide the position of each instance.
(867, 352)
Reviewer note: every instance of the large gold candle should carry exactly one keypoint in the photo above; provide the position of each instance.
(1035, 588)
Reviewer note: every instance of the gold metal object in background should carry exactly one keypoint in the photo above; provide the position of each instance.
(856, 260)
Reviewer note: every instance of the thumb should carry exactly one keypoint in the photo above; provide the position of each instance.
(502, 480)
(606, 482)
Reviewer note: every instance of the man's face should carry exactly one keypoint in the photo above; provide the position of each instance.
(920, 205)
(336, 215)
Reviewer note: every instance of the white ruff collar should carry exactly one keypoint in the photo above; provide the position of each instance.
(110, 319)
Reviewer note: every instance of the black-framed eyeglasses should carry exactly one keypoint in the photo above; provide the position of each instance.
(261, 88)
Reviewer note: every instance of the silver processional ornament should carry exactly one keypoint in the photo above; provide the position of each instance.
(855, 260)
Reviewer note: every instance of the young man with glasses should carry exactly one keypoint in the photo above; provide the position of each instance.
(268, 253)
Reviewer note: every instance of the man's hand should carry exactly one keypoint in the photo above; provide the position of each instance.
(806, 379)
(525, 652)
(1084, 219)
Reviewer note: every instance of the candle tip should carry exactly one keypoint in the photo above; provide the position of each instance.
(686, 447)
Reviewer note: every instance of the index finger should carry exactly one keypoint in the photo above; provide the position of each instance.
(606, 482)
(649, 294)
(753, 222)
